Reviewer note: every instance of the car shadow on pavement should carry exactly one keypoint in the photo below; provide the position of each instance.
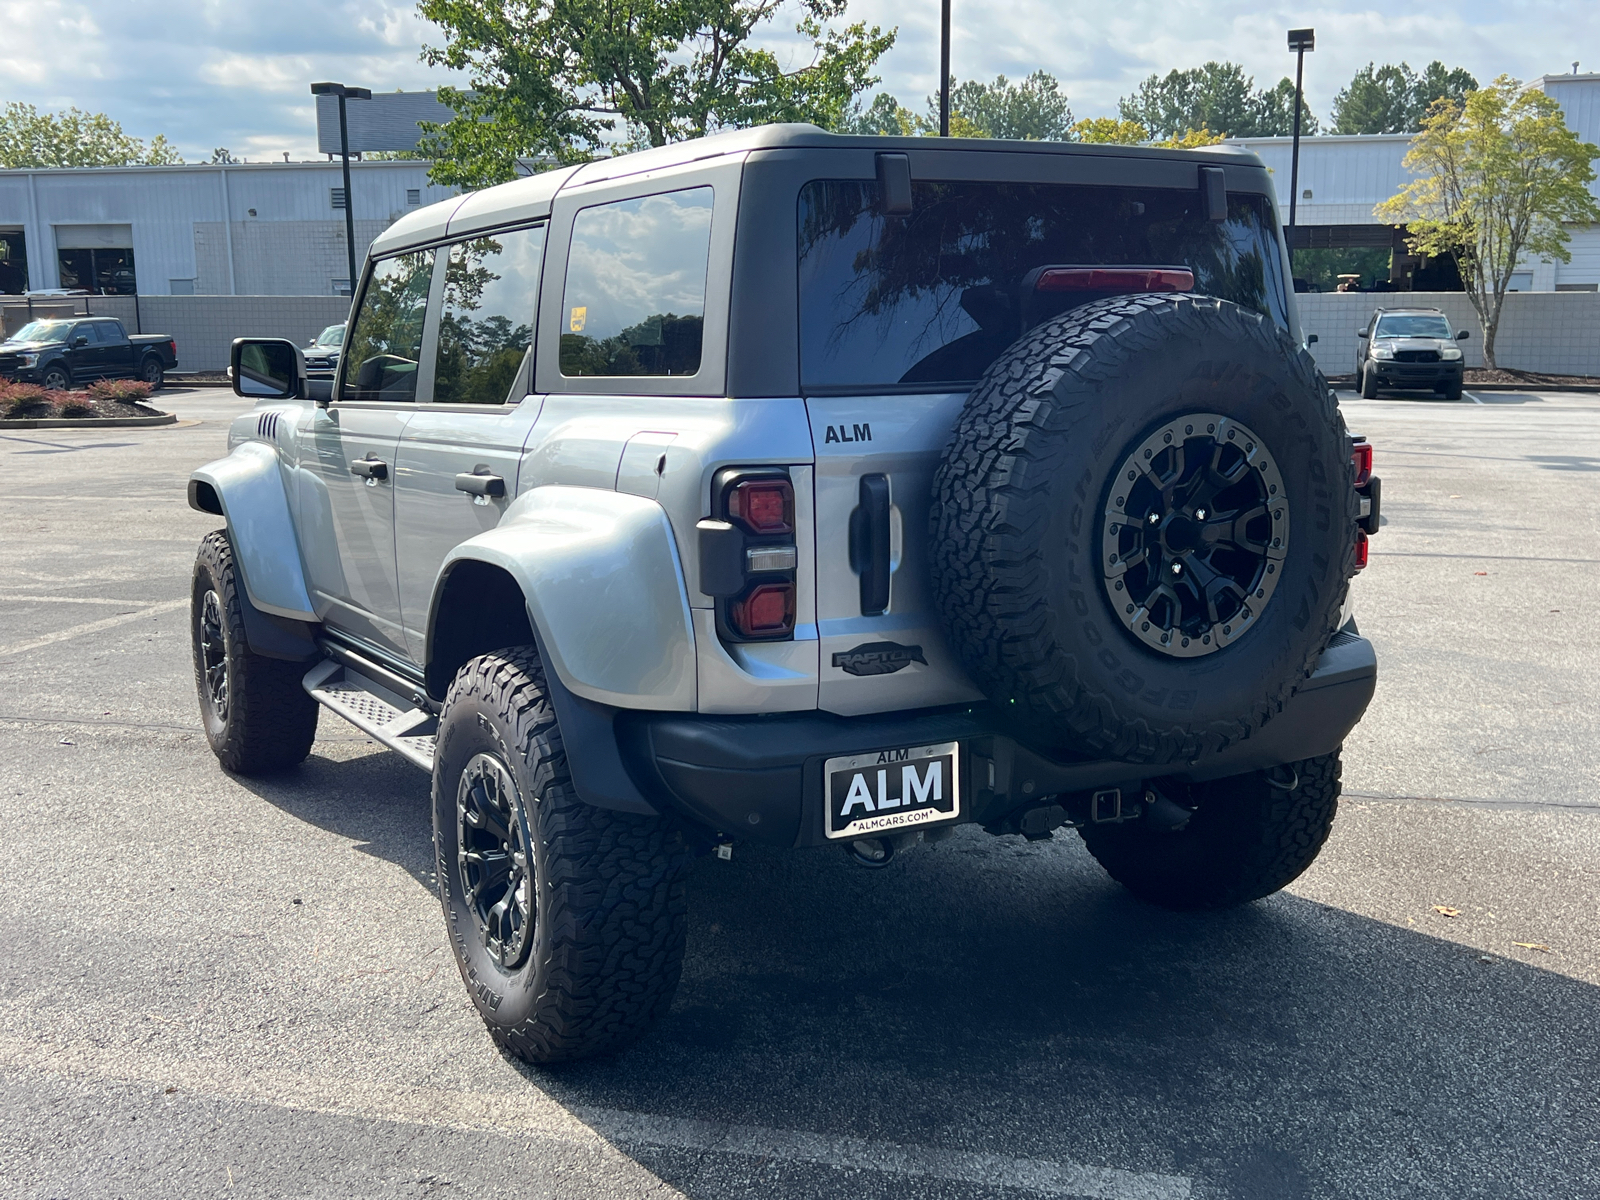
(987, 994)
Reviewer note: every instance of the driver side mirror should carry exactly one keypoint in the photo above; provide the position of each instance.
(1463, 335)
(1362, 333)
(267, 368)
(1311, 339)
(80, 340)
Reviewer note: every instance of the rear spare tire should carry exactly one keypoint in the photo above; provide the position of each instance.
(1144, 526)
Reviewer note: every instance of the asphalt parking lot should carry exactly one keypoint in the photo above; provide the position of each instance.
(217, 986)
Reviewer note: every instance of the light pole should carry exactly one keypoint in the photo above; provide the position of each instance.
(352, 93)
(944, 68)
(1300, 40)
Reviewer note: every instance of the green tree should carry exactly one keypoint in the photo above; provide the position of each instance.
(1499, 177)
(74, 138)
(1109, 130)
(1032, 109)
(550, 78)
(1394, 99)
(1214, 96)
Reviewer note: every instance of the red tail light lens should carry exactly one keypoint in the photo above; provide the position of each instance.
(1361, 455)
(768, 611)
(764, 506)
(1361, 550)
(1112, 279)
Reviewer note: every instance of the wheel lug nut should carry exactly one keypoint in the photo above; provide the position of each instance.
(1177, 568)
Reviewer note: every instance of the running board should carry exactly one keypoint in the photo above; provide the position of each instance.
(375, 710)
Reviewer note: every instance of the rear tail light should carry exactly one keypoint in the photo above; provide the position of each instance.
(1361, 456)
(764, 506)
(766, 612)
(1114, 279)
(1361, 549)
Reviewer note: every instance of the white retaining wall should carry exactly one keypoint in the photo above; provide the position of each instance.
(205, 326)
(1554, 332)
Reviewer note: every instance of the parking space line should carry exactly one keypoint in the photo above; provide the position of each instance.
(14, 598)
(63, 635)
(1471, 397)
(529, 1112)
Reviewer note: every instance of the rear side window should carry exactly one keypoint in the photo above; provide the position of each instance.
(486, 325)
(936, 296)
(385, 343)
(635, 296)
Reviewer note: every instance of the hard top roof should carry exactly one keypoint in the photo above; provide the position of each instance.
(532, 197)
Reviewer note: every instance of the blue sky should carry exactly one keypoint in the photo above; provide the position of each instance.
(234, 73)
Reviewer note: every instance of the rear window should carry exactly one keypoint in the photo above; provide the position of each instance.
(935, 297)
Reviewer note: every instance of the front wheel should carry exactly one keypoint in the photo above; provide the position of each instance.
(55, 379)
(1248, 836)
(1369, 384)
(257, 717)
(567, 921)
(1452, 390)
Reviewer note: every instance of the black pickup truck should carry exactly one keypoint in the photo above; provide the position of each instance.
(62, 353)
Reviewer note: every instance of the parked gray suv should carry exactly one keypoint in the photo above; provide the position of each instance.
(1409, 348)
(805, 490)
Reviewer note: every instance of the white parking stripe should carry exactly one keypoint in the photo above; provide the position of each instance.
(1471, 397)
(63, 635)
(525, 1111)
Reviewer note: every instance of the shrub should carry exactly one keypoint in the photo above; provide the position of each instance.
(75, 405)
(123, 391)
(24, 400)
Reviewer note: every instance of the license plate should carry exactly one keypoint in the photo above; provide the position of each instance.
(872, 794)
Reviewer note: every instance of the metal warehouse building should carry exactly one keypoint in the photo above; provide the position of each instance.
(254, 229)
(1343, 178)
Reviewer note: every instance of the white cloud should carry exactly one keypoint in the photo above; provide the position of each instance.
(234, 73)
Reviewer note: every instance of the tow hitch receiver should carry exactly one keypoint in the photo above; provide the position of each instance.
(1106, 806)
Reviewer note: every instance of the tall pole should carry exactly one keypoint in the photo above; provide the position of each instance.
(944, 68)
(349, 202)
(1300, 40)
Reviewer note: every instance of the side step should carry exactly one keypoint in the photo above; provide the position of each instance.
(375, 710)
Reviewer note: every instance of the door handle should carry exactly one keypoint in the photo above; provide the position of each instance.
(481, 485)
(370, 468)
(869, 544)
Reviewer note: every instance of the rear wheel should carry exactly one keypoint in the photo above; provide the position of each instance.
(1248, 836)
(567, 921)
(151, 371)
(1369, 384)
(257, 717)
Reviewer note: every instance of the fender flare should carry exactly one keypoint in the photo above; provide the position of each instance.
(604, 586)
(246, 488)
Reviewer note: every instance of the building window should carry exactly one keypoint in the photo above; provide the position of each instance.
(181, 287)
(13, 263)
(336, 197)
(1577, 287)
(106, 271)
(413, 195)
(341, 287)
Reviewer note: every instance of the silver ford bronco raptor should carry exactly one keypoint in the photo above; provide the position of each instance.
(791, 488)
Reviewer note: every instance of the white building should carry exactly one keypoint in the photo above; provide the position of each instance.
(1342, 178)
(261, 229)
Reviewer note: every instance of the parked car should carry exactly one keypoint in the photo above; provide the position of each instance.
(322, 360)
(1409, 348)
(64, 353)
(805, 490)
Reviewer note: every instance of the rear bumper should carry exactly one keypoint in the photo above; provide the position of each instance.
(761, 778)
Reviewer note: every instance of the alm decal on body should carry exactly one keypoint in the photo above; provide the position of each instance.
(878, 658)
(848, 433)
(892, 789)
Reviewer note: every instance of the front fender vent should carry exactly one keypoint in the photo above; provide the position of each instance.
(267, 425)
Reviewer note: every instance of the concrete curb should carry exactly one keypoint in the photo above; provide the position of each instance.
(90, 422)
(1347, 383)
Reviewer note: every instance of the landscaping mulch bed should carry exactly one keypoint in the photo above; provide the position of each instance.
(111, 398)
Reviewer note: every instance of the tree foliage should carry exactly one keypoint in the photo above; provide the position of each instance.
(1499, 175)
(554, 78)
(1110, 130)
(74, 138)
(1215, 96)
(1031, 109)
(1394, 99)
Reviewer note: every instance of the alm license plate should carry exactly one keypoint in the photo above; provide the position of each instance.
(871, 794)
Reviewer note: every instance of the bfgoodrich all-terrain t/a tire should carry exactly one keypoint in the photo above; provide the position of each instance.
(1249, 836)
(257, 717)
(1144, 526)
(567, 921)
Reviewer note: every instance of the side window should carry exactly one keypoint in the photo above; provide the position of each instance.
(380, 360)
(486, 326)
(635, 296)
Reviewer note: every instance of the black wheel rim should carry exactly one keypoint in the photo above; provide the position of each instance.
(492, 850)
(1196, 530)
(214, 654)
